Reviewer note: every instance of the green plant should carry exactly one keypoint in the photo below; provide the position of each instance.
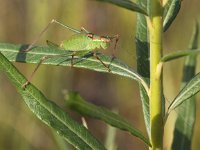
(154, 18)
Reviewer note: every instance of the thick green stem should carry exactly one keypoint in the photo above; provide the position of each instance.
(155, 32)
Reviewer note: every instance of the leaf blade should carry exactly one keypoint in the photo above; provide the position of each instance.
(49, 112)
(142, 53)
(184, 127)
(179, 54)
(189, 90)
(76, 102)
(171, 10)
(12, 52)
(127, 4)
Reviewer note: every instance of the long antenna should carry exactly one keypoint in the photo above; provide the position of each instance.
(45, 29)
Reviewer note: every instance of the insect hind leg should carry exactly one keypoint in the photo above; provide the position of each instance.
(39, 36)
(37, 67)
(35, 70)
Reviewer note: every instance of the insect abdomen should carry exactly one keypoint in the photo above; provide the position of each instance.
(78, 42)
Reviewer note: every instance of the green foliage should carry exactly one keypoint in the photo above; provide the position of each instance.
(189, 90)
(52, 115)
(61, 57)
(142, 51)
(171, 10)
(184, 126)
(179, 54)
(49, 112)
(127, 4)
(77, 103)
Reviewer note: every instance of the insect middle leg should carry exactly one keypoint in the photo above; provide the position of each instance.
(33, 73)
(97, 57)
(73, 54)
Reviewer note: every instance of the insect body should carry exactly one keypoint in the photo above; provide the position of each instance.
(82, 41)
(86, 41)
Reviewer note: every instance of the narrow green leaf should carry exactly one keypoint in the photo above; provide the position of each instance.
(49, 112)
(189, 90)
(63, 58)
(142, 52)
(126, 4)
(179, 54)
(171, 10)
(110, 140)
(145, 107)
(60, 142)
(184, 126)
(76, 102)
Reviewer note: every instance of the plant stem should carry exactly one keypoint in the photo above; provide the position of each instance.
(155, 31)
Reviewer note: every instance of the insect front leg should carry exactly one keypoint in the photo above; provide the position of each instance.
(116, 37)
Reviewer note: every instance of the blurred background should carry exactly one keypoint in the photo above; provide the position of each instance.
(22, 20)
